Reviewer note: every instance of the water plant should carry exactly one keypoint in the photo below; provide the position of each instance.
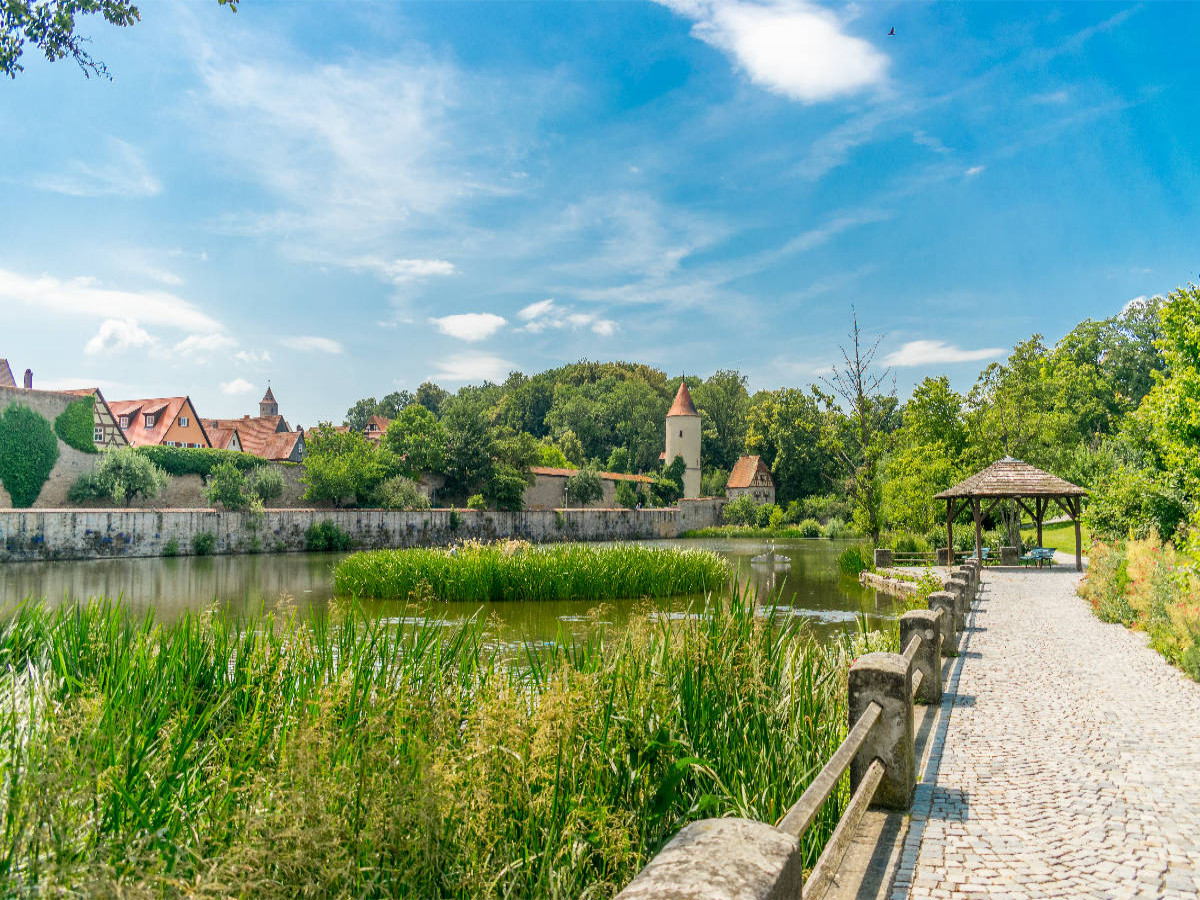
(203, 543)
(345, 756)
(854, 560)
(326, 535)
(516, 570)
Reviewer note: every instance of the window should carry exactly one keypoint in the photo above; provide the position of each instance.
(124, 421)
(183, 421)
(681, 434)
(150, 419)
(98, 434)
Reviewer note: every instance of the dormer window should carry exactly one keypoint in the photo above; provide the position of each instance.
(150, 419)
(124, 421)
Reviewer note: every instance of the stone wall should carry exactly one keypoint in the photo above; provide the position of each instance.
(89, 534)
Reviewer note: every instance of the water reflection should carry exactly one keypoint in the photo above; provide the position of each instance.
(810, 588)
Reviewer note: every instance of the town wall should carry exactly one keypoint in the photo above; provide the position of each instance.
(71, 463)
(42, 534)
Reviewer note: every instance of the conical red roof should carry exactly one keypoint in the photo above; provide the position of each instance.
(683, 405)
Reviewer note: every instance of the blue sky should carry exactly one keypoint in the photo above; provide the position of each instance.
(351, 198)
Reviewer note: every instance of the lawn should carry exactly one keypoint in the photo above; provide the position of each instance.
(1060, 536)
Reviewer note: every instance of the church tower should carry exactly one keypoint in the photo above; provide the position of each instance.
(683, 439)
(267, 406)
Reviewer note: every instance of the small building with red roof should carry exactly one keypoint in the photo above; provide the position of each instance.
(751, 477)
(160, 421)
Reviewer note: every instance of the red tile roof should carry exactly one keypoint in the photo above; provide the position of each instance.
(281, 445)
(221, 438)
(683, 405)
(744, 471)
(255, 432)
(609, 476)
(165, 409)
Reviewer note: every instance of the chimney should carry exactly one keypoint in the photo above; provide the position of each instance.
(29, 379)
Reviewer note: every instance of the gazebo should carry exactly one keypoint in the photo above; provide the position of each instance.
(1011, 479)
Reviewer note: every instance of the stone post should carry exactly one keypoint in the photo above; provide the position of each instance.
(1008, 556)
(928, 659)
(883, 557)
(883, 678)
(962, 590)
(944, 601)
(969, 571)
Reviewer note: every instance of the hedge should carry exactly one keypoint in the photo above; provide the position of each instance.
(28, 452)
(76, 425)
(198, 460)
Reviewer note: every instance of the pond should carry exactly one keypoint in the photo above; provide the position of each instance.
(811, 588)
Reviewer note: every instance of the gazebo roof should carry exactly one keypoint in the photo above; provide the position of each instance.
(1010, 477)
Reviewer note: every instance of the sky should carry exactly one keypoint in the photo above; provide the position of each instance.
(349, 198)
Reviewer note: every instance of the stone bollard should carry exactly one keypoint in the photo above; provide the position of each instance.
(970, 573)
(928, 659)
(722, 859)
(941, 556)
(883, 678)
(1008, 556)
(962, 587)
(883, 557)
(944, 601)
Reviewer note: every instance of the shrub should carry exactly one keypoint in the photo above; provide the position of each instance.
(204, 543)
(326, 535)
(584, 487)
(399, 492)
(740, 511)
(476, 501)
(198, 460)
(505, 488)
(455, 520)
(265, 482)
(227, 486)
(76, 425)
(776, 518)
(809, 528)
(120, 474)
(712, 483)
(28, 452)
(762, 515)
(835, 528)
(171, 548)
(854, 560)
(627, 496)
(1135, 502)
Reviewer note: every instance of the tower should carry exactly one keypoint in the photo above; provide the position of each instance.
(267, 406)
(683, 439)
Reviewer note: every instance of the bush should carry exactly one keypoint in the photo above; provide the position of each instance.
(399, 492)
(835, 528)
(198, 460)
(204, 543)
(227, 486)
(627, 496)
(171, 548)
(809, 528)
(1135, 502)
(762, 515)
(28, 452)
(505, 489)
(854, 560)
(776, 518)
(120, 474)
(740, 511)
(76, 425)
(821, 507)
(325, 535)
(584, 487)
(904, 542)
(712, 483)
(476, 501)
(265, 482)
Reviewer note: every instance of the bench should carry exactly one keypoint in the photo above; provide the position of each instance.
(1040, 555)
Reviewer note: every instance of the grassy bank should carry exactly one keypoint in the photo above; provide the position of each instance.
(1060, 536)
(277, 757)
(518, 571)
(783, 531)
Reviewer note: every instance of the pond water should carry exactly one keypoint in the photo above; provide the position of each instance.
(811, 588)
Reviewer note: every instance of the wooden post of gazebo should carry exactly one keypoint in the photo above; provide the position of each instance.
(1011, 479)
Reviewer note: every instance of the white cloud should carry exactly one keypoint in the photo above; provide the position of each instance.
(253, 357)
(237, 386)
(974, 170)
(929, 141)
(472, 367)
(1052, 98)
(123, 173)
(205, 345)
(408, 269)
(84, 297)
(117, 336)
(815, 237)
(311, 343)
(547, 314)
(926, 353)
(791, 47)
(470, 326)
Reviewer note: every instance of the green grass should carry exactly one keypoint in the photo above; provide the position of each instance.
(518, 571)
(1060, 536)
(749, 531)
(347, 757)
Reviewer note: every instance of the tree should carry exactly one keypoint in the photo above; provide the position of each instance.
(227, 486)
(794, 437)
(120, 475)
(399, 492)
(432, 397)
(343, 467)
(723, 403)
(858, 383)
(49, 26)
(551, 457)
(468, 447)
(584, 488)
(1171, 411)
(418, 441)
(618, 460)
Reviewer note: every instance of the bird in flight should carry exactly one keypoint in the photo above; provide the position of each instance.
(892, 32)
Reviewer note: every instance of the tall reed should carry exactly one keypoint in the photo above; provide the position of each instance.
(284, 757)
(519, 571)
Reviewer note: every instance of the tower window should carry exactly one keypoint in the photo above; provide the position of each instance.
(681, 434)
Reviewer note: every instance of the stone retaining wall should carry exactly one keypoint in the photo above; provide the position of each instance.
(44, 534)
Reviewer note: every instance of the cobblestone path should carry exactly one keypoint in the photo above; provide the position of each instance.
(1069, 763)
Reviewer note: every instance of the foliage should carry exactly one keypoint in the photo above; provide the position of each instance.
(28, 452)
(584, 488)
(171, 548)
(204, 543)
(551, 456)
(775, 519)
(712, 482)
(399, 492)
(343, 467)
(762, 516)
(353, 756)
(809, 528)
(741, 510)
(1149, 585)
(505, 490)
(675, 472)
(518, 571)
(430, 396)
(792, 435)
(835, 528)
(418, 441)
(627, 495)
(821, 507)
(476, 501)
(390, 407)
(1132, 501)
(618, 461)
(120, 475)
(266, 483)
(227, 486)
(76, 425)
(326, 535)
(723, 403)
(854, 560)
(198, 460)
